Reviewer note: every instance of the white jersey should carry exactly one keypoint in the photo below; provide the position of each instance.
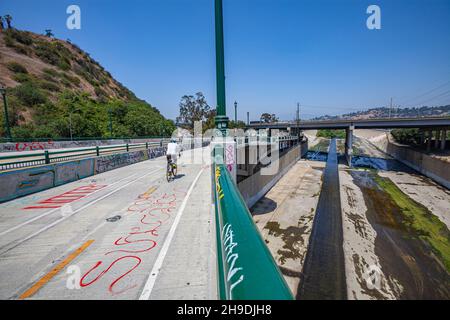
(173, 148)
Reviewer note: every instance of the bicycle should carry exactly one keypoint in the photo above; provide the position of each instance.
(171, 171)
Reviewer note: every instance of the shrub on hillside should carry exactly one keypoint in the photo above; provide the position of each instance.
(51, 72)
(22, 37)
(22, 77)
(29, 94)
(50, 86)
(22, 132)
(16, 67)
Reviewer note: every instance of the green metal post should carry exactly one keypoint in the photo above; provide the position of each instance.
(221, 119)
(47, 157)
(235, 113)
(8, 131)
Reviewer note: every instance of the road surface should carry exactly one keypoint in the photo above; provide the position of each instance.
(123, 234)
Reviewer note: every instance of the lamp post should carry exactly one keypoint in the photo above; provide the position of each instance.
(235, 113)
(5, 104)
(221, 119)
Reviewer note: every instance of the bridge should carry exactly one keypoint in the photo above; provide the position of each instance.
(440, 126)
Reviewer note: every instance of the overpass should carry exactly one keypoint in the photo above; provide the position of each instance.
(439, 125)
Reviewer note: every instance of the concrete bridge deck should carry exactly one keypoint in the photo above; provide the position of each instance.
(122, 234)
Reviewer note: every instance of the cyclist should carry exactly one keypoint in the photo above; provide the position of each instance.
(173, 150)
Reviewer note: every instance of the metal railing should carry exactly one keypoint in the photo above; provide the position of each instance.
(246, 268)
(48, 156)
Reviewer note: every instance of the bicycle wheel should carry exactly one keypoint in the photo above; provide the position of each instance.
(169, 173)
(174, 170)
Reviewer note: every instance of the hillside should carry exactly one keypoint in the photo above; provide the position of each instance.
(55, 88)
(383, 112)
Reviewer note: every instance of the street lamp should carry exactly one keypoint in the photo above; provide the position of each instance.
(221, 119)
(5, 104)
(235, 113)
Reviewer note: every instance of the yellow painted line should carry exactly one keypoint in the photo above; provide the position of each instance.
(149, 192)
(42, 281)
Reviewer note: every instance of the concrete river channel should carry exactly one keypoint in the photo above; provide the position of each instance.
(411, 244)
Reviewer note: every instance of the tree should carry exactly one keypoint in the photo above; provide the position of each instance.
(49, 33)
(2, 26)
(8, 20)
(267, 118)
(193, 108)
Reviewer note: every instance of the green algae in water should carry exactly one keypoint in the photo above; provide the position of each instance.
(420, 221)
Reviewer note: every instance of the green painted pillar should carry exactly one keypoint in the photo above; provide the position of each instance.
(221, 119)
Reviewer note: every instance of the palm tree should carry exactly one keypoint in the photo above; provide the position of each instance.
(49, 33)
(8, 19)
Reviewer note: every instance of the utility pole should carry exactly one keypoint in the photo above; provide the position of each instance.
(298, 118)
(5, 105)
(221, 118)
(248, 118)
(390, 108)
(235, 113)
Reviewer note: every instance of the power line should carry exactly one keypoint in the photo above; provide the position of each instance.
(425, 93)
(432, 98)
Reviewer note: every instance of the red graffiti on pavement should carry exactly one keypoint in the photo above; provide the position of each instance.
(67, 197)
(150, 212)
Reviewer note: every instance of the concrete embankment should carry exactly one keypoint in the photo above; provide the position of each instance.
(432, 167)
(256, 186)
(18, 183)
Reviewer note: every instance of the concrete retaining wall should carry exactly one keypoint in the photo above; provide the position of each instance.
(18, 183)
(432, 167)
(256, 186)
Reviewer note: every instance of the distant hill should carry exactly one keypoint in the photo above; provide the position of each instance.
(383, 112)
(55, 87)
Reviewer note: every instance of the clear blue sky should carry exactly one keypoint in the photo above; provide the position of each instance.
(277, 52)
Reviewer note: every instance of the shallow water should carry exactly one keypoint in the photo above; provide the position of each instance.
(402, 253)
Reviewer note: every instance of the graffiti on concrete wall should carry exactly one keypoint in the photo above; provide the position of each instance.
(74, 170)
(18, 183)
(37, 145)
(156, 152)
(114, 161)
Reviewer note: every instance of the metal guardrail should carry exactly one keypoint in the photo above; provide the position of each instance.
(246, 268)
(48, 157)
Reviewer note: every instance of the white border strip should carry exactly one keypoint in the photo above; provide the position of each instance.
(145, 295)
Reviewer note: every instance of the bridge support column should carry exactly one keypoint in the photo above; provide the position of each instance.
(436, 139)
(430, 137)
(422, 137)
(349, 144)
(443, 138)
